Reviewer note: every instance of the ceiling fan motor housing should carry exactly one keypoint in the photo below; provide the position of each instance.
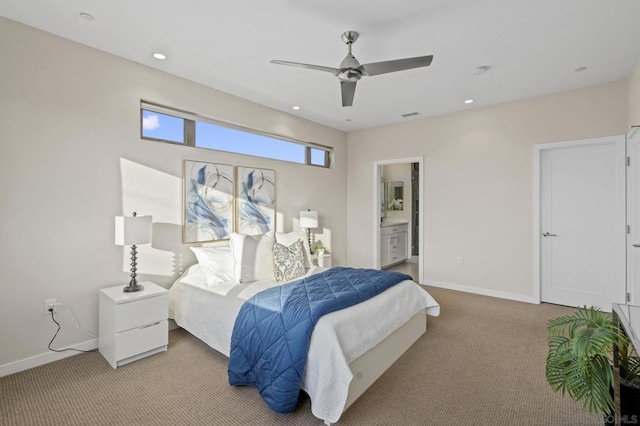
(348, 71)
(349, 75)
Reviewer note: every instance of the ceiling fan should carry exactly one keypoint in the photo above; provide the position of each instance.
(351, 71)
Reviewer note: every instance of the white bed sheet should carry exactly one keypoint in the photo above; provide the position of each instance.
(209, 313)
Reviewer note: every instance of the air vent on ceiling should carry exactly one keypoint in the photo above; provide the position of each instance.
(410, 114)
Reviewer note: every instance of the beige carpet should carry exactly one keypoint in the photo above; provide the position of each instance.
(480, 363)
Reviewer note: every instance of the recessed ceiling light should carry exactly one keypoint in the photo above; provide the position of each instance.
(580, 69)
(296, 107)
(481, 70)
(160, 56)
(468, 101)
(87, 16)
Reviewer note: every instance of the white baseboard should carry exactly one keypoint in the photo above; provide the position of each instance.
(45, 358)
(483, 291)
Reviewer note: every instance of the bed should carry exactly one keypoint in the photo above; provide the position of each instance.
(349, 348)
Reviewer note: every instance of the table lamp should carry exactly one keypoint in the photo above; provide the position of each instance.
(308, 220)
(133, 231)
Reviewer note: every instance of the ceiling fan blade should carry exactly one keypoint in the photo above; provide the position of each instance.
(333, 71)
(348, 91)
(378, 68)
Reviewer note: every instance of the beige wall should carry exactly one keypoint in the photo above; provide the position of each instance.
(634, 96)
(478, 181)
(71, 159)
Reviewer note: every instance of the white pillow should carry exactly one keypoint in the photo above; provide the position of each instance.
(252, 257)
(290, 238)
(216, 263)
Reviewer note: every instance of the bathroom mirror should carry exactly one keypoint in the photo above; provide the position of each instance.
(395, 196)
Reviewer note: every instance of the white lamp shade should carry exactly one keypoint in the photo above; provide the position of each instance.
(308, 219)
(133, 230)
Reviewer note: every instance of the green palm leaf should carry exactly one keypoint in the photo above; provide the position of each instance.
(578, 358)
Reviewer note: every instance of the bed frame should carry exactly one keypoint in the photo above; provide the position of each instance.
(365, 369)
(372, 364)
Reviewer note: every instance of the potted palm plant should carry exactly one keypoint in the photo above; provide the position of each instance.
(579, 362)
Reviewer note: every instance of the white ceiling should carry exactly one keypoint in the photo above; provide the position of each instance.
(533, 46)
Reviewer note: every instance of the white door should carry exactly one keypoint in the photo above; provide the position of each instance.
(633, 217)
(582, 222)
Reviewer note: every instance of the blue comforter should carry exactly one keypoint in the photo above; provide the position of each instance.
(271, 334)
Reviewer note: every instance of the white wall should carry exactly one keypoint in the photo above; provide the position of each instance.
(71, 159)
(634, 96)
(478, 181)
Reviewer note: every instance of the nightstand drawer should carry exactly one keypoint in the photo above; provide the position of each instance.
(146, 311)
(134, 342)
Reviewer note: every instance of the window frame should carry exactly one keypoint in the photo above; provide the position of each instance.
(190, 136)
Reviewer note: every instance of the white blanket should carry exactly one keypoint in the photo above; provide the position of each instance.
(209, 313)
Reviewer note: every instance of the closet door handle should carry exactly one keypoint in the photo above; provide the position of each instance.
(547, 234)
(636, 245)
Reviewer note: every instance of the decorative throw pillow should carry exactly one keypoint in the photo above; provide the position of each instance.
(216, 263)
(289, 238)
(252, 257)
(288, 262)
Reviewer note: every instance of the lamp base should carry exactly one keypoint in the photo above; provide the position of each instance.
(133, 288)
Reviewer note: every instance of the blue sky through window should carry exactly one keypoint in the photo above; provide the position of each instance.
(232, 140)
(317, 157)
(162, 126)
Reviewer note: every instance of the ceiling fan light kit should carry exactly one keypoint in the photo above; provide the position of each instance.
(351, 70)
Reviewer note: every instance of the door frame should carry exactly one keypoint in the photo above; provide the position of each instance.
(619, 142)
(630, 290)
(376, 209)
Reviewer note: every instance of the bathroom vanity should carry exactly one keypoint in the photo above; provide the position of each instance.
(393, 243)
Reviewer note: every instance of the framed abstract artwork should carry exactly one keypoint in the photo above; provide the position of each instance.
(208, 201)
(256, 198)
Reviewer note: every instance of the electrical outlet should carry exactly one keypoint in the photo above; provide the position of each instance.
(460, 261)
(49, 304)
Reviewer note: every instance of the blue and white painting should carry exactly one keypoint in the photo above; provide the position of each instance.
(208, 201)
(256, 200)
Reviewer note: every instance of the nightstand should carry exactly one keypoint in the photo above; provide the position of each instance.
(324, 260)
(133, 325)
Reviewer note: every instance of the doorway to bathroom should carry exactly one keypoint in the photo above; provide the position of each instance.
(398, 215)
